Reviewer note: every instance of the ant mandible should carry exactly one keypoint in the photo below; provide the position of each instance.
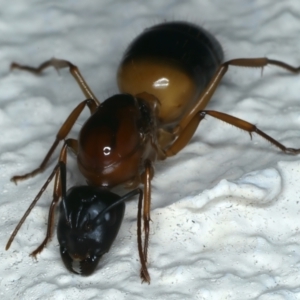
(167, 76)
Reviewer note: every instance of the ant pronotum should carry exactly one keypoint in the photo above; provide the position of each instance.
(167, 76)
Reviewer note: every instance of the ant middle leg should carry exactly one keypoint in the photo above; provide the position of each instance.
(59, 64)
(185, 136)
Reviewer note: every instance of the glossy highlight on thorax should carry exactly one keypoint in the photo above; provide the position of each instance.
(116, 134)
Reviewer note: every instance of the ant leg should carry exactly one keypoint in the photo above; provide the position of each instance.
(30, 208)
(143, 251)
(62, 133)
(184, 136)
(59, 64)
(147, 202)
(188, 132)
(57, 193)
(144, 271)
(56, 196)
(206, 95)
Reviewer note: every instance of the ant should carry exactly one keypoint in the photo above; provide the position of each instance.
(167, 76)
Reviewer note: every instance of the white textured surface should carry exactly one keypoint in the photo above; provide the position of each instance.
(225, 210)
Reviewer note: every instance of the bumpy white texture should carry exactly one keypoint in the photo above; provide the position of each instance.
(225, 211)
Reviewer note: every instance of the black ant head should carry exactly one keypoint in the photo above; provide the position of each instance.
(89, 222)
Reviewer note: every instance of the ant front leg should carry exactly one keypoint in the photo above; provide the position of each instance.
(59, 64)
(61, 135)
(70, 143)
(58, 190)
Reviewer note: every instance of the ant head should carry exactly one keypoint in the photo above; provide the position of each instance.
(89, 222)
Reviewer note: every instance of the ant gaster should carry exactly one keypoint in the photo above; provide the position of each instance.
(167, 77)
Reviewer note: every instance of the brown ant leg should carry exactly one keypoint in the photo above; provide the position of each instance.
(69, 144)
(31, 207)
(147, 203)
(56, 195)
(144, 271)
(186, 134)
(59, 64)
(206, 95)
(62, 133)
